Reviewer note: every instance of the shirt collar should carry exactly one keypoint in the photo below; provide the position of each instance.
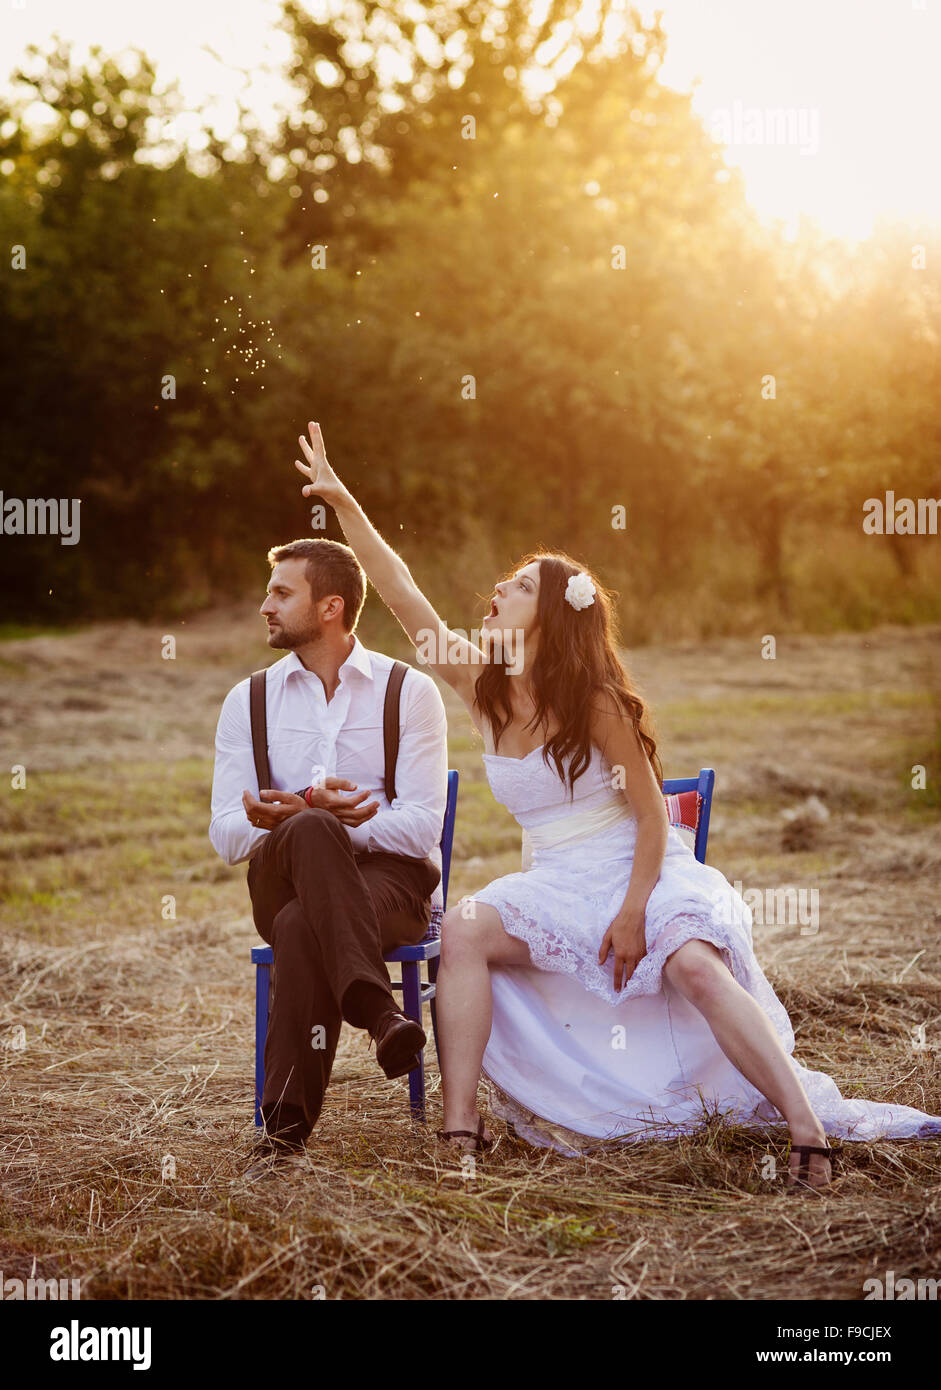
(358, 660)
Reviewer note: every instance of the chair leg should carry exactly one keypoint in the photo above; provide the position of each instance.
(416, 1090)
(262, 981)
(411, 1006)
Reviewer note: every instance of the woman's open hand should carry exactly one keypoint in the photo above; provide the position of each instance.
(626, 936)
(323, 481)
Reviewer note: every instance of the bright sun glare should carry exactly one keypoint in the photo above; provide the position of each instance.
(832, 109)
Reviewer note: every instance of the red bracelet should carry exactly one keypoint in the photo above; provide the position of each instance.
(307, 797)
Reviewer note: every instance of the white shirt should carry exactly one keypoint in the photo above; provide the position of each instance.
(308, 735)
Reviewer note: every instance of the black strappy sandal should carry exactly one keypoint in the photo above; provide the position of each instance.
(798, 1183)
(481, 1145)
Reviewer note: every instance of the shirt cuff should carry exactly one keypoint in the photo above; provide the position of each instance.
(359, 835)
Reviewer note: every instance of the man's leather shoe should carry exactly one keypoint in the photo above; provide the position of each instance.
(399, 1041)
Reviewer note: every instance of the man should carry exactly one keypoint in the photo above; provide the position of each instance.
(340, 877)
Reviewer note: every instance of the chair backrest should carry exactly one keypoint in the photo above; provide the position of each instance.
(447, 833)
(689, 802)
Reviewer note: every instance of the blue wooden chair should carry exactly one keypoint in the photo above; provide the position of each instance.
(689, 802)
(415, 992)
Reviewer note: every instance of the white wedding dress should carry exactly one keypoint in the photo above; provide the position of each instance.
(570, 1060)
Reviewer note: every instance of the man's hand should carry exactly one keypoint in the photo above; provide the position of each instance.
(626, 936)
(348, 809)
(273, 808)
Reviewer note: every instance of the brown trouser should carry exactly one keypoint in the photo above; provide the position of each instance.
(328, 913)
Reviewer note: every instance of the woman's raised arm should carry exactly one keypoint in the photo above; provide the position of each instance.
(455, 659)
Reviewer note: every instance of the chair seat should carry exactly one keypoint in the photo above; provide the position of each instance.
(422, 950)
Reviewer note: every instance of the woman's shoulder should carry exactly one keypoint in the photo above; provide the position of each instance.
(604, 707)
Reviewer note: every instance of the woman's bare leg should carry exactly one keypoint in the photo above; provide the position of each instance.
(472, 940)
(746, 1035)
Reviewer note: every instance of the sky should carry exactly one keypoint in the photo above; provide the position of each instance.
(855, 83)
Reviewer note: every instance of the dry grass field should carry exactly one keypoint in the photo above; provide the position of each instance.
(126, 1033)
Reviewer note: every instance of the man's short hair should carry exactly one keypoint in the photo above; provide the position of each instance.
(332, 568)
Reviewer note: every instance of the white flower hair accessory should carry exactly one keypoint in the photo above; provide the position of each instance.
(579, 591)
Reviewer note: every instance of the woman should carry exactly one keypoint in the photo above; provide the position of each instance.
(647, 1005)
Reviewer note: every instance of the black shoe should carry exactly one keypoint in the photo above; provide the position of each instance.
(399, 1041)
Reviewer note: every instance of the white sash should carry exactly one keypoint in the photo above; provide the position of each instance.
(578, 826)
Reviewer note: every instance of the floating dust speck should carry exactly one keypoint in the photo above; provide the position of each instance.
(249, 337)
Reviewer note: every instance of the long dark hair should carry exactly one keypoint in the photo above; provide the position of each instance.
(576, 659)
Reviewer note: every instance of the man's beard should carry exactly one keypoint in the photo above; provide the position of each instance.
(290, 638)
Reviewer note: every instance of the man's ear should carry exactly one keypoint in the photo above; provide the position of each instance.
(332, 609)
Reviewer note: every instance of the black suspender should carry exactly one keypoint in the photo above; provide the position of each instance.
(390, 725)
(259, 716)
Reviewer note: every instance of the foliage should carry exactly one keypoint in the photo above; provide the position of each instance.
(540, 295)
